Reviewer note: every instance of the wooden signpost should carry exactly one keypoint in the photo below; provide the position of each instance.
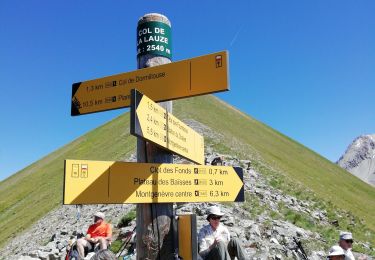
(154, 182)
(155, 227)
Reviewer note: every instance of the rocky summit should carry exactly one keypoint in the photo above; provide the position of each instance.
(359, 158)
(290, 191)
(257, 222)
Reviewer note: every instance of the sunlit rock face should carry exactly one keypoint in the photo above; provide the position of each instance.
(359, 158)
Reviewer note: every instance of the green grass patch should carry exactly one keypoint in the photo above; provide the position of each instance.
(127, 218)
(329, 232)
(116, 246)
(252, 205)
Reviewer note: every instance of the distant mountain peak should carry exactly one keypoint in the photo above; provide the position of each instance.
(359, 158)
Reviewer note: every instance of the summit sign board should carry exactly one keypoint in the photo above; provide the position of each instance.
(154, 38)
(192, 77)
(107, 182)
(153, 123)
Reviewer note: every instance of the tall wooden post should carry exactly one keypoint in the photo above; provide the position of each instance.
(154, 221)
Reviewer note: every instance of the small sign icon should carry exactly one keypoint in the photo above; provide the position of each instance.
(110, 99)
(84, 171)
(199, 171)
(75, 170)
(219, 61)
(200, 182)
(201, 193)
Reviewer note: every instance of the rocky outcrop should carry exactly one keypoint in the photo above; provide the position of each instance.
(265, 234)
(262, 237)
(49, 237)
(359, 158)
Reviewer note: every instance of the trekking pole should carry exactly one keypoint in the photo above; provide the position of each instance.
(126, 243)
(78, 215)
(300, 248)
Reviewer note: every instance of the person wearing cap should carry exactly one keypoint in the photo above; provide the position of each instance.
(214, 239)
(336, 253)
(346, 243)
(98, 233)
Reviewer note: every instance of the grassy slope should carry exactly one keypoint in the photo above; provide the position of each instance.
(324, 178)
(32, 192)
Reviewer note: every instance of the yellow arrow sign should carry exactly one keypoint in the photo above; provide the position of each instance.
(107, 182)
(152, 122)
(197, 76)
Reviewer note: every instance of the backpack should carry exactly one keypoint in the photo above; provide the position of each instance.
(72, 254)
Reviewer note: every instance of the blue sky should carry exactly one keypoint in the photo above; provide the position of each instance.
(306, 68)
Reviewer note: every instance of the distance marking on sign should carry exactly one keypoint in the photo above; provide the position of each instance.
(153, 123)
(192, 77)
(107, 182)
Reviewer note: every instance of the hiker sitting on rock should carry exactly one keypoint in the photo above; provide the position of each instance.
(217, 160)
(336, 253)
(98, 233)
(346, 243)
(214, 239)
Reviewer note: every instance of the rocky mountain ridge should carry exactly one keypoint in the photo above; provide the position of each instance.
(359, 158)
(263, 235)
(285, 188)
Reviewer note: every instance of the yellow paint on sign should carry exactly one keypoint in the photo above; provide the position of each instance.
(197, 76)
(164, 129)
(107, 182)
(184, 237)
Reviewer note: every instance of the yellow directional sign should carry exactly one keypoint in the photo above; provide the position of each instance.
(107, 182)
(197, 76)
(152, 122)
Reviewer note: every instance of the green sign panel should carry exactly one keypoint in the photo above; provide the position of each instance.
(154, 38)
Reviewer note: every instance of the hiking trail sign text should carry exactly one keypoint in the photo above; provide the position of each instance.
(153, 123)
(192, 77)
(154, 38)
(107, 182)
